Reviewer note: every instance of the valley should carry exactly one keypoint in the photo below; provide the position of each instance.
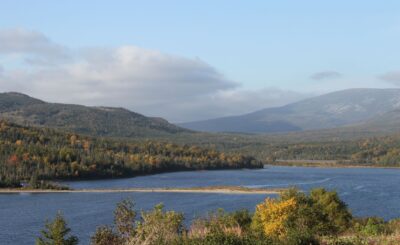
(43, 160)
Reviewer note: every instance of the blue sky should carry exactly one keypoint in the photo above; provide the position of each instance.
(291, 48)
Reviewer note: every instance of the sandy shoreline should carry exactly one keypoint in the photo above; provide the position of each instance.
(233, 190)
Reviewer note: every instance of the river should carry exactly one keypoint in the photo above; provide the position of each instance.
(367, 191)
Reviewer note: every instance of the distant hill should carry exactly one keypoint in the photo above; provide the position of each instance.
(389, 121)
(337, 109)
(97, 121)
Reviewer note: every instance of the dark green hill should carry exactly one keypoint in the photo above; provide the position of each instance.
(12, 101)
(96, 121)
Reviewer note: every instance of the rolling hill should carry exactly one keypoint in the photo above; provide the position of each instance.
(333, 110)
(96, 121)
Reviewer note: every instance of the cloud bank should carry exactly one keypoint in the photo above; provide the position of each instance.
(146, 81)
(34, 46)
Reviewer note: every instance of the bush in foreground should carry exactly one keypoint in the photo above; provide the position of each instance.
(294, 218)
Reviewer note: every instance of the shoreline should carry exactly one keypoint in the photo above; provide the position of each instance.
(315, 164)
(211, 190)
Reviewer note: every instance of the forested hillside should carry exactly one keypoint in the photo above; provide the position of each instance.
(377, 151)
(94, 121)
(48, 154)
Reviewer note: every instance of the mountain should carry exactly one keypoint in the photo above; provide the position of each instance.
(337, 109)
(97, 121)
(388, 121)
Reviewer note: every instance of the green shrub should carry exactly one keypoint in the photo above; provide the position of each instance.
(347, 241)
(338, 217)
(158, 227)
(105, 235)
(297, 237)
(374, 226)
(225, 239)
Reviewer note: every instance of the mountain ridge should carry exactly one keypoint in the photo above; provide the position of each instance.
(98, 121)
(336, 109)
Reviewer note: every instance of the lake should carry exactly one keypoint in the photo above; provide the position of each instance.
(367, 191)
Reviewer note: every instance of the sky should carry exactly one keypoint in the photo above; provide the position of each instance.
(194, 60)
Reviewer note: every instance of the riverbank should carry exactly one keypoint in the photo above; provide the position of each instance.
(326, 164)
(208, 189)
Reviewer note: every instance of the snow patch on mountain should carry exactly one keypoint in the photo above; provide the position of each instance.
(344, 108)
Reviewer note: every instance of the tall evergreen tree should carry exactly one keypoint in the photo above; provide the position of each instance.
(56, 232)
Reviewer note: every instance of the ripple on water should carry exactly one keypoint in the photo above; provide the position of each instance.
(368, 192)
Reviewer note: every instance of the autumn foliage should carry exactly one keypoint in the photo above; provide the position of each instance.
(273, 216)
(50, 154)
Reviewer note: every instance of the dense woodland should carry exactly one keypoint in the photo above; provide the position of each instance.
(44, 154)
(27, 152)
(294, 218)
(377, 151)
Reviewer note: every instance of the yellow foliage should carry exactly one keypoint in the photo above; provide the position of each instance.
(274, 214)
(73, 140)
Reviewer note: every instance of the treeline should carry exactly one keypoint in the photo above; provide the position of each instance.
(377, 151)
(294, 218)
(45, 154)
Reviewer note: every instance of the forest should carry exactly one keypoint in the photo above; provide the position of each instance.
(380, 151)
(34, 154)
(376, 151)
(30, 154)
(294, 218)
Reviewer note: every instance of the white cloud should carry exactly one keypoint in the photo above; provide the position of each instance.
(35, 46)
(145, 81)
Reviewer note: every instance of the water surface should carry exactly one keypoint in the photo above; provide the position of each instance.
(367, 191)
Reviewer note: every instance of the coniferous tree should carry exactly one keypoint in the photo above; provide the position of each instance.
(56, 232)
